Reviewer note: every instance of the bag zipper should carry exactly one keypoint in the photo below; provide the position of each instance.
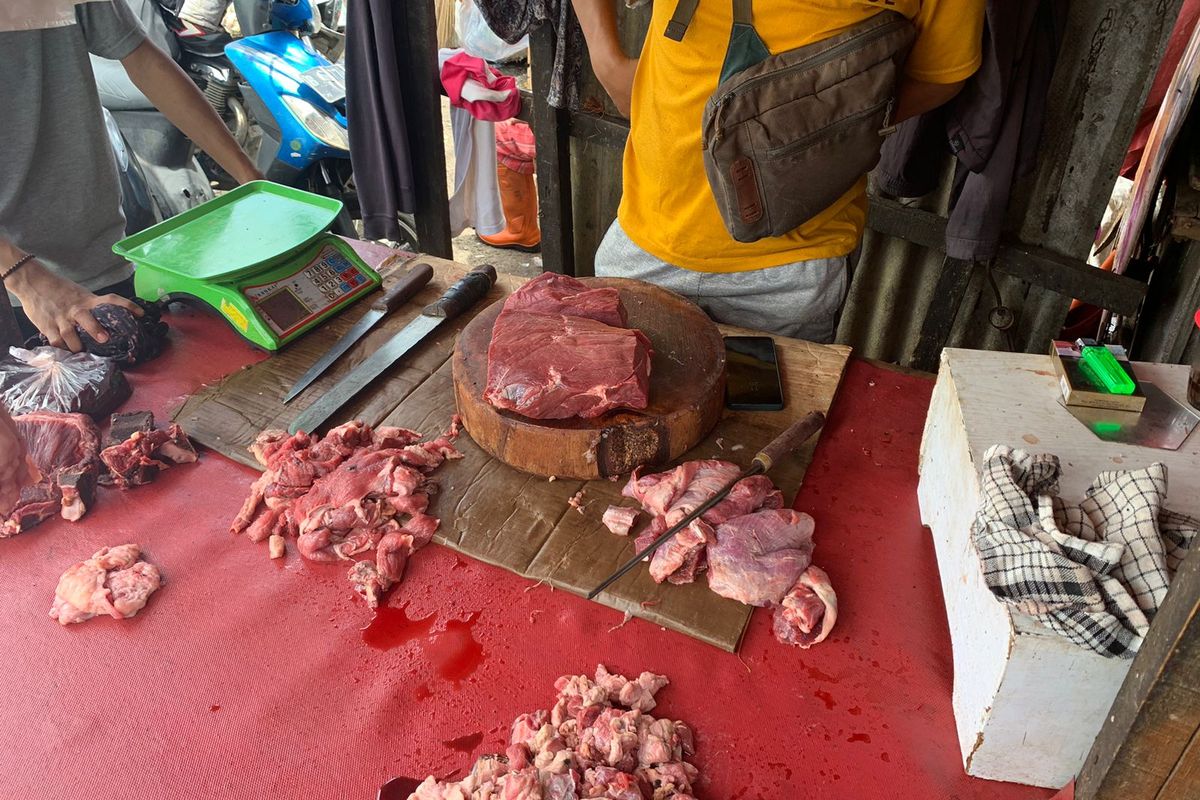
(808, 63)
(783, 150)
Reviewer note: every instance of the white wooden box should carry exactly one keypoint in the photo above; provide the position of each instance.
(1027, 703)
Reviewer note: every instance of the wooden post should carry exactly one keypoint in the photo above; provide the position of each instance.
(939, 319)
(552, 132)
(10, 332)
(1149, 748)
(423, 111)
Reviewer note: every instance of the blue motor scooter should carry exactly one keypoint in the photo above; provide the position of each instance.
(282, 98)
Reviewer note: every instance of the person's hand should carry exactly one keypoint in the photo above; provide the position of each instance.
(15, 470)
(56, 305)
(616, 76)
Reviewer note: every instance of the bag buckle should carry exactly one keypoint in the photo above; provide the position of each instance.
(888, 128)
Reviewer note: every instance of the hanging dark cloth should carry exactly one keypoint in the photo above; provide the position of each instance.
(513, 19)
(379, 151)
(993, 127)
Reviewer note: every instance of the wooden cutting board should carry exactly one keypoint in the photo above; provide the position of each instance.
(687, 394)
(489, 510)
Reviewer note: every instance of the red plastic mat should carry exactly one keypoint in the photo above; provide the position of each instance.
(250, 678)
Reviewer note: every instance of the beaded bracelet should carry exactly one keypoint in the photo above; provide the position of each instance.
(22, 261)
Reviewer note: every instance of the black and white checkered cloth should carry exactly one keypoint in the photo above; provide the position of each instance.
(1097, 572)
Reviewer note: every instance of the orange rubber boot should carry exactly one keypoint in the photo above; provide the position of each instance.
(518, 198)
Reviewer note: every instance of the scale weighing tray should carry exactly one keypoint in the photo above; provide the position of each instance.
(260, 255)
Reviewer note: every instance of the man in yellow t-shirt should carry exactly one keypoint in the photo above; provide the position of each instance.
(668, 230)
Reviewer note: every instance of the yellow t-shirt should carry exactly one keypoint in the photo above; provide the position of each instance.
(668, 209)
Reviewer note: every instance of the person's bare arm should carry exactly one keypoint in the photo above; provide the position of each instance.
(56, 305)
(613, 68)
(914, 97)
(173, 93)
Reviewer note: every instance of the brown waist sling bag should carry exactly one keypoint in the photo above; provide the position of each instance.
(786, 135)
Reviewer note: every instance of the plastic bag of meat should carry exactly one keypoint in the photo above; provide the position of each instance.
(49, 379)
(131, 339)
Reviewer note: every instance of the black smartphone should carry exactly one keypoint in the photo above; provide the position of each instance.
(752, 381)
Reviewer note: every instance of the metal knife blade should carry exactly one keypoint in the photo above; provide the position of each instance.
(396, 294)
(468, 290)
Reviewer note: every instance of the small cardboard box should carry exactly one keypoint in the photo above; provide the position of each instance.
(1079, 390)
(1027, 703)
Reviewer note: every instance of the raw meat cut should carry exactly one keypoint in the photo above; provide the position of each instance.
(64, 448)
(135, 451)
(345, 494)
(755, 551)
(50, 379)
(131, 339)
(758, 557)
(808, 611)
(114, 581)
(670, 496)
(598, 741)
(620, 519)
(560, 349)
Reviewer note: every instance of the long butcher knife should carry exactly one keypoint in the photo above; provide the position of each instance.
(405, 287)
(782, 445)
(466, 292)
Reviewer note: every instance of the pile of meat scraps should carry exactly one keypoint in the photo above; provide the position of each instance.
(114, 581)
(754, 550)
(131, 339)
(65, 448)
(340, 496)
(598, 741)
(560, 349)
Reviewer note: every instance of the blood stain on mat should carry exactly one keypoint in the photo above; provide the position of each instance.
(454, 653)
(465, 744)
(818, 675)
(214, 709)
(885, 758)
(855, 711)
(859, 737)
(826, 698)
(392, 627)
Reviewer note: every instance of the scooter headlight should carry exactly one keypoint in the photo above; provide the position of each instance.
(317, 122)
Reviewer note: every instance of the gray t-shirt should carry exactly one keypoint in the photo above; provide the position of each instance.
(60, 197)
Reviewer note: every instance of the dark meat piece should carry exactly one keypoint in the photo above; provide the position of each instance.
(123, 426)
(64, 449)
(137, 459)
(49, 379)
(131, 339)
(758, 557)
(808, 612)
(562, 350)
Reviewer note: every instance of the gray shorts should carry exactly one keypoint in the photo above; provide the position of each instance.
(801, 299)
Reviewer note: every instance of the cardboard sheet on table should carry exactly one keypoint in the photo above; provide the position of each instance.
(505, 517)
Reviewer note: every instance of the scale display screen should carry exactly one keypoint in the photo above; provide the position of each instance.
(317, 286)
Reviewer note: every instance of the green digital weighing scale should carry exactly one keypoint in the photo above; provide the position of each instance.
(261, 255)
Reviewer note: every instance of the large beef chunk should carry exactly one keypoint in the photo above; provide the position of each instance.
(64, 447)
(560, 349)
(131, 339)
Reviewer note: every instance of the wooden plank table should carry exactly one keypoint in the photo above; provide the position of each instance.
(502, 516)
